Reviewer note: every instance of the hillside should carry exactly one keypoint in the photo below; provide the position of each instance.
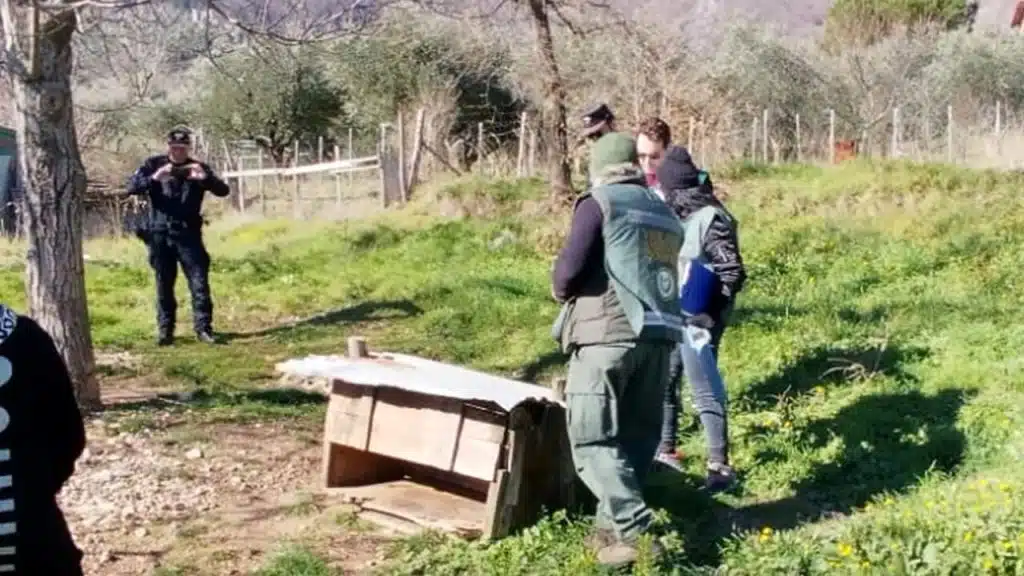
(874, 370)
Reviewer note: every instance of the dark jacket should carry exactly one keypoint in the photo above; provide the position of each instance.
(683, 188)
(176, 204)
(41, 437)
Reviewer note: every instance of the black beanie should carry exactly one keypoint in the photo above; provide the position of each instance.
(677, 170)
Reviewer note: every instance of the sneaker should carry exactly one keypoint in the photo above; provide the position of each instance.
(622, 555)
(720, 477)
(599, 538)
(206, 337)
(670, 459)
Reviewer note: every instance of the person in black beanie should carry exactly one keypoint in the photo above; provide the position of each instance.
(41, 437)
(711, 236)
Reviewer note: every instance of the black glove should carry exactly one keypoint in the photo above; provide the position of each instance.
(701, 321)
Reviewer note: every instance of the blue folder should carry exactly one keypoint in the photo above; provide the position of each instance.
(698, 287)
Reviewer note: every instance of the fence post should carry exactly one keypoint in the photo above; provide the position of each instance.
(259, 182)
(320, 157)
(351, 156)
(753, 140)
(417, 150)
(533, 153)
(382, 160)
(799, 154)
(337, 179)
(480, 144)
(949, 133)
(403, 190)
(241, 184)
(764, 135)
(521, 154)
(703, 143)
(832, 136)
(296, 208)
(894, 147)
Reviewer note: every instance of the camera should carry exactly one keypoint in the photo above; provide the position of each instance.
(180, 172)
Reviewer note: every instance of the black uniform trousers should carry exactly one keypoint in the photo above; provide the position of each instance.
(168, 249)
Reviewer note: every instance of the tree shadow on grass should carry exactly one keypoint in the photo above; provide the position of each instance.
(891, 441)
(828, 365)
(349, 315)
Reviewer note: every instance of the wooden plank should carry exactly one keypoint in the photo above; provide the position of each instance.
(494, 510)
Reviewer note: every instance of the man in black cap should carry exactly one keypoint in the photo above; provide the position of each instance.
(175, 185)
(598, 120)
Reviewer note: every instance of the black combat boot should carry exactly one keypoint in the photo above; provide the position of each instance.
(165, 337)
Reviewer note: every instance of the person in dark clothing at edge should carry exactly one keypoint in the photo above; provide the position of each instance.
(712, 237)
(41, 437)
(598, 120)
(175, 185)
(617, 278)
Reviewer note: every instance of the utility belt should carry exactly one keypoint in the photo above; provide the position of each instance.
(147, 229)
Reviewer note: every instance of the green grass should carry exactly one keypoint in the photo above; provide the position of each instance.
(874, 362)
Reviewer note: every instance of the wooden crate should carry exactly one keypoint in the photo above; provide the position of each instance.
(469, 465)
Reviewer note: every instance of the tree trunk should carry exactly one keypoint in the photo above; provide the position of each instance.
(556, 136)
(40, 63)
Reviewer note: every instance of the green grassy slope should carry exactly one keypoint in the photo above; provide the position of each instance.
(874, 363)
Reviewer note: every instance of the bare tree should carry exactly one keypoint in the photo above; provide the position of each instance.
(38, 40)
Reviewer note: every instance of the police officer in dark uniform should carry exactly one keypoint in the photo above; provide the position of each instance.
(598, 120)
(175, 184)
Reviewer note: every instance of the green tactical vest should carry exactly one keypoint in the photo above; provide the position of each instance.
(642, 239)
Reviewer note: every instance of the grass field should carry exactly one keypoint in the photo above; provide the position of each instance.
(874, 362)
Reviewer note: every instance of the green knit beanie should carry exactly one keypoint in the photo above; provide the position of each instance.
(613, 154)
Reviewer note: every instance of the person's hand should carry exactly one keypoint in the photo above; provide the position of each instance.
(163, 174)
(196, 172)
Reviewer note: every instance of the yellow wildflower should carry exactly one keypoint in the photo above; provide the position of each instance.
(845, 549)
(767, 531)
(787, 424)
(888, 501)
(1007, 545)
(819, 390)
(987, 564)
(968, 536)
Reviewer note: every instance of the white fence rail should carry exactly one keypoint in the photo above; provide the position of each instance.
(335, 167)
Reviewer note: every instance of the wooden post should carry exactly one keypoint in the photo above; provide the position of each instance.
(382, 160)
(949, 133)
(894, 145)
(296, 207)
(241, 185)
(800, 156)
(259, 183)
(401, 157)
(320, 157)
(521, 154)
(533, 153)
(703, 143)
(337, 179)
(351, 155)
(764, 135)
(417, 150)
(357, 347)
(480, 144)
(753, 140)
(832, 136)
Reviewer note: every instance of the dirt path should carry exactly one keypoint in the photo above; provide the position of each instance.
(210, 499)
